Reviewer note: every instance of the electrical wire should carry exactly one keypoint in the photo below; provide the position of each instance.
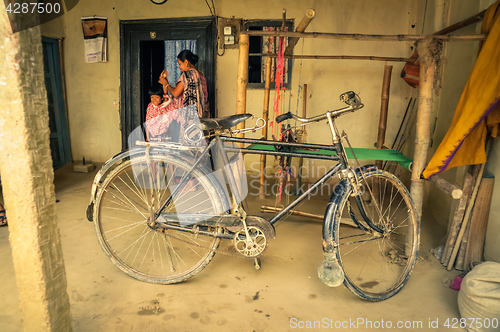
(211, 12)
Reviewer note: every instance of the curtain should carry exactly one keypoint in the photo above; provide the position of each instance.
(172, 49)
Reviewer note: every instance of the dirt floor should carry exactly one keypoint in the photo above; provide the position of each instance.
(230, 294)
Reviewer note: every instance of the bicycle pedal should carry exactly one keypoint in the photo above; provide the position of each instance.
(256, 263)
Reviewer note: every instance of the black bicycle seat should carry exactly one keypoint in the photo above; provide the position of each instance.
(223, 123)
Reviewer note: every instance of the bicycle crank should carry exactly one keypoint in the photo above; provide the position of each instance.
(252, 245)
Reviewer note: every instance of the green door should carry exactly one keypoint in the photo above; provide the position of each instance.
(59, 137)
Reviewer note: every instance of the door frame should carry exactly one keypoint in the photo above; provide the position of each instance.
(132, 32)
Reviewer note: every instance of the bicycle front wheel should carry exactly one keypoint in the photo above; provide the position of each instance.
(378, 256)
(127, 202)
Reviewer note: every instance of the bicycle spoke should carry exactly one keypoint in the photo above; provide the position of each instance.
(377, 265)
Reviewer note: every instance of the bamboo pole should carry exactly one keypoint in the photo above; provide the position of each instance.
(468, 21)
(338, 57)
(304, 104)
(302, 140)
(384, 106)
(308, 17)
(422, 137)
(242, 81)
(265, 116)
(358, 36)
(466, 219)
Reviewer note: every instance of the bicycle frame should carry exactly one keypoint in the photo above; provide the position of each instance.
(285, 150)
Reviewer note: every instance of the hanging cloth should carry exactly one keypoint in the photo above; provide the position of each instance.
(479, 107)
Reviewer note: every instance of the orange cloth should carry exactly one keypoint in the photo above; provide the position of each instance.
(478, 108)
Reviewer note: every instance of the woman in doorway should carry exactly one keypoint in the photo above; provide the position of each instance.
(191, 88)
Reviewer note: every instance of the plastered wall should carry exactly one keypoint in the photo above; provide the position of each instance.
(92, 88)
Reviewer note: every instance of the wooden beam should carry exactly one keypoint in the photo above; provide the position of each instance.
(446, 187)
(300, 28)
(365, 37)
(338, 57)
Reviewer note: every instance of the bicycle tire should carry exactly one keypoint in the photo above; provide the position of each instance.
(122, 209)
(376, 267)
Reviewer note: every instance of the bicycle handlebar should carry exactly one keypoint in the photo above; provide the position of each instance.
(350, 98)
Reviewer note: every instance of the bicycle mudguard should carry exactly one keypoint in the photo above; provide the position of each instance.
(330, 271)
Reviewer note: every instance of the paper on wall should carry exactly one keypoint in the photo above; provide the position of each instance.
(95, 34)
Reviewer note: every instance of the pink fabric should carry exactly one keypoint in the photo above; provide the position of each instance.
(456, 283)
(155, 122)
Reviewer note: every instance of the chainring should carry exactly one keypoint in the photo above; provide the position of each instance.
(254, 244)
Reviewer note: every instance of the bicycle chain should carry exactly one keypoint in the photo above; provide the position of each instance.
(217, 251)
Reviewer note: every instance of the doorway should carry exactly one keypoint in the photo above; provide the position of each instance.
(144, 45)
(59, 133)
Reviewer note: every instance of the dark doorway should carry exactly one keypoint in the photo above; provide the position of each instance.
(142, 55)
(152, 60)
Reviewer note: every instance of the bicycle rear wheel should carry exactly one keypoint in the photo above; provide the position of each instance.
(132, 193)
(377, 264)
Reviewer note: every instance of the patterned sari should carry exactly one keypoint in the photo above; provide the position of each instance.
(195, 92)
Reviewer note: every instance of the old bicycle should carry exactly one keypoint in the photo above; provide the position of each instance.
(161, 210)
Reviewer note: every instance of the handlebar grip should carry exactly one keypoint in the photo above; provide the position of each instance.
(284, 117)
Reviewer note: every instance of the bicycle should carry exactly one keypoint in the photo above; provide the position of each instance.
(161, 210)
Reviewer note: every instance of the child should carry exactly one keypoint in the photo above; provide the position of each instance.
(161, 112)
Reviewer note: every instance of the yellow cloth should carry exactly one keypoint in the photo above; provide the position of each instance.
(478, 108)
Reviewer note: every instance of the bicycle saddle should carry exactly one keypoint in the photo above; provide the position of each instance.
(223, 123)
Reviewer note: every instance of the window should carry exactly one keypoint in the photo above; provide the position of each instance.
(265, 44)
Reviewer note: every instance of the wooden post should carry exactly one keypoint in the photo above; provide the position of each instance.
(479, 222)
(310, 13)
(384, 106)
(242, 81)
(302, 140)
(265, 116)
(463, 227)
(422, 137)
(457, 219)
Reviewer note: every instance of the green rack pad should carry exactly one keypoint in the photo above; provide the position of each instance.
(361, 154)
